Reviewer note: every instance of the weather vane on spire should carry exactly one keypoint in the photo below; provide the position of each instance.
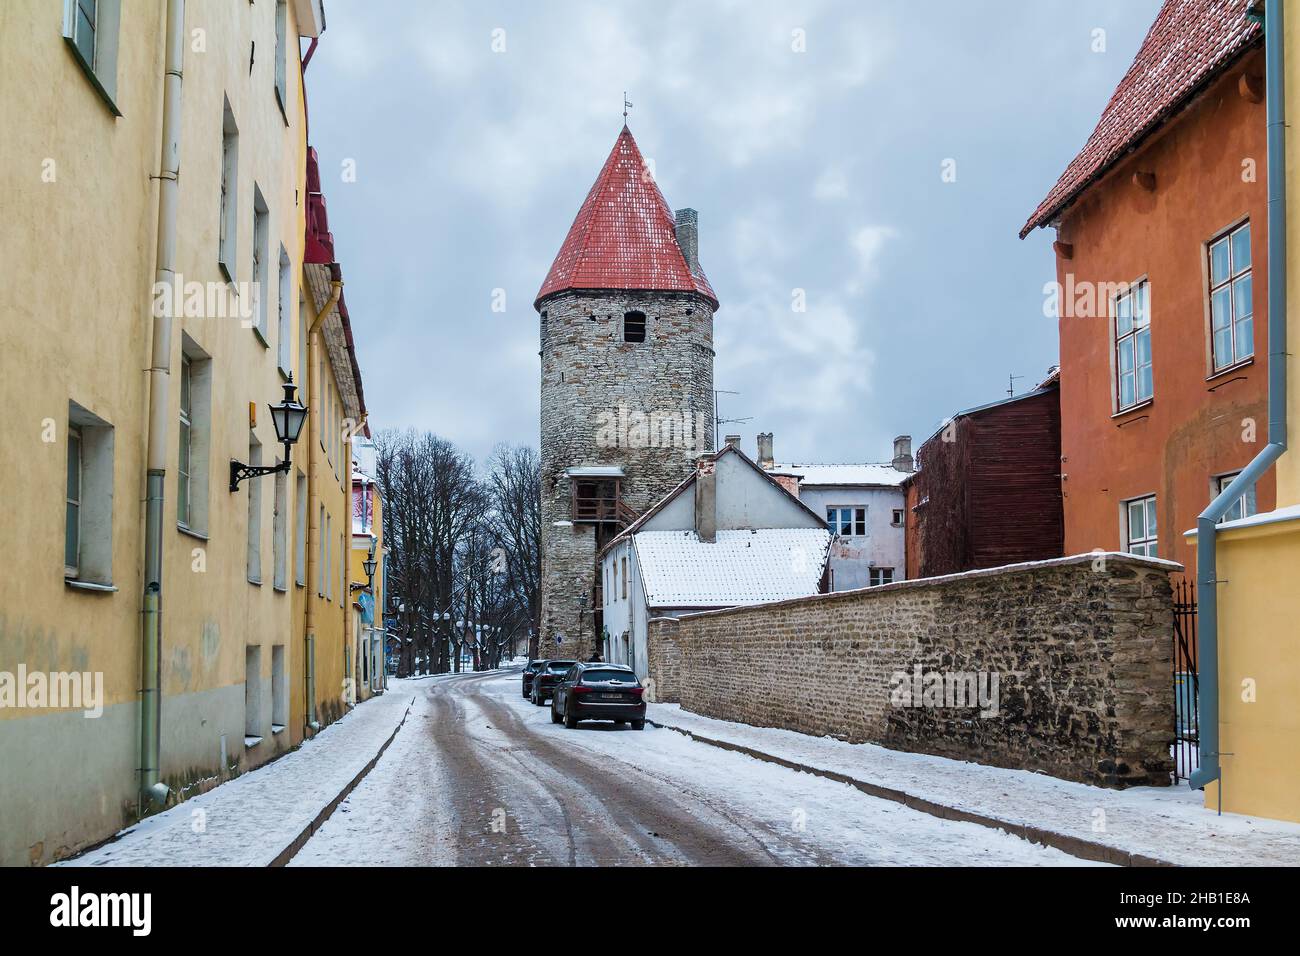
(626, 106)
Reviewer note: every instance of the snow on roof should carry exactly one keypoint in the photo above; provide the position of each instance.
(741, 567)
(880, 474)
(595, 471)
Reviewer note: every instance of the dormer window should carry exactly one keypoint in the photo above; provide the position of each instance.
(633, 326)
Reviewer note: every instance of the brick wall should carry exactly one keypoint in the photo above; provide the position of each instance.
(1080, 647)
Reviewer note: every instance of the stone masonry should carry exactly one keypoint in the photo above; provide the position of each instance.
(645, 406)
(1081, 648)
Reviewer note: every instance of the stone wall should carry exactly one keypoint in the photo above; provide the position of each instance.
(1080, 649)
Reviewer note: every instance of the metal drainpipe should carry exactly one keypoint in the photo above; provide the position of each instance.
(336, 290)
(1207, 524)
(152, 789)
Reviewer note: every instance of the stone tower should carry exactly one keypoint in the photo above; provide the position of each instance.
(627, 383)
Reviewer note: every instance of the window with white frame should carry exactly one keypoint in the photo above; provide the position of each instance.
(88, 500)
(300, 530)
(1140, 531)
(261, 219)
(90, 28)
(280, 532)
(1243, 507)
(850, 522)
(253, 557)
(899, 517)
(1134, 380)
(195, 421)
(1232, 322)
(283, 316)
(879, 576)
(228, 225)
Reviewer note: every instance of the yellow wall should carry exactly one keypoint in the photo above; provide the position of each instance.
(1259, 603)
(78, 256)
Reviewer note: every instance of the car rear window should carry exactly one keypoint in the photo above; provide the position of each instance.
(595, 677)
(559, 666)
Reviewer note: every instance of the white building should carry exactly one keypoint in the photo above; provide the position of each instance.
(729, 535)
(864, 507)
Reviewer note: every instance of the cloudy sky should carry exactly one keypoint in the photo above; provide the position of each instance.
(812, 137)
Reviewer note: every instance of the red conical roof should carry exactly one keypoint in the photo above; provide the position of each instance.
(624, 236)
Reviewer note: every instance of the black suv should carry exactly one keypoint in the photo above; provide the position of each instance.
(531, 668)
(599, 692)
(544, 680)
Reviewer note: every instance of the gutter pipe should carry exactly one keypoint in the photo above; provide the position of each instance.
(1207, 524)
(153, 792)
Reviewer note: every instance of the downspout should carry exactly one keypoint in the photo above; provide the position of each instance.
(1207, 524)
(152, 790)
(336, 290)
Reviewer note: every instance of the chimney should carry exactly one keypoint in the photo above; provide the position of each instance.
(688, 238)
(733, 441)
(706, 499)
(765, 460)
(903, 454)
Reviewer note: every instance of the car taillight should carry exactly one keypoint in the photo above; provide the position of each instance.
(581, 689)
(636, 690)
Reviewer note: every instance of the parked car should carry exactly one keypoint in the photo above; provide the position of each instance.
(599, 692)
(545, 679)
(531, 668)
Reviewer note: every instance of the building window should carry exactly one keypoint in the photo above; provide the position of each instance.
(1232, 325)
(899, 517)
(1243, 507)
(624, 579)
(195, 420)
(850, 522)
(343, 572)
(300, 531)
(281, 28)
(283, 340)
(261, 217)
(320, 555)
(634, 327)
(1140, 527)
(252, 695)
(280, 533)
(279, 690)
(544, 316)
(88, 500)
(881, 576)
(228, 227)
(72, 529)
(90, 28)
(1133, 345)
(253, 558)
(329, 559)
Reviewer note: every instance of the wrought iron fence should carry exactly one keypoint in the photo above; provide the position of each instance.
(1186, 701)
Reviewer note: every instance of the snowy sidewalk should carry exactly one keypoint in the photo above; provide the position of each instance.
(1150, 824)
(252, 819)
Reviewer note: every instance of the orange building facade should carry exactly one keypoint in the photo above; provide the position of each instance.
(1162, 272)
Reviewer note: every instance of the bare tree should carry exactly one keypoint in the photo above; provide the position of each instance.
(514, 481)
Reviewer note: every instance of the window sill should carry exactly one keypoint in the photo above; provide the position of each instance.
(90, 586)
(1229, 369)
(251, 742)
(277, 728)
(191, 533)
(279, 589)
(255, 581)
(300, 584)
(90, 75)
(1140, 406)
(261, 336)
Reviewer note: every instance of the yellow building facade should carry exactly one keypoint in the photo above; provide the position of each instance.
(1258, 571)
(367, 592)
(90, 186)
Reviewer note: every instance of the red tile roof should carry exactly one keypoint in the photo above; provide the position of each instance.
(624, 236)
(1191, 42)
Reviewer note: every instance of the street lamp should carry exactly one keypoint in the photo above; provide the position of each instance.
(369, 565)
(288, 418)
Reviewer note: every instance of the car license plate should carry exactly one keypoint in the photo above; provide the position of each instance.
(611, 696)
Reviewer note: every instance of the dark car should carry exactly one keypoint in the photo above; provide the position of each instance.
(599, 692)
(531, 668)
(544, 681)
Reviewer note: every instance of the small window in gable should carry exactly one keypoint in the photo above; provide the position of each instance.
(634, 327)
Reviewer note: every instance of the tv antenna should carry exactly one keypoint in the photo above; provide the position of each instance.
(718, 420)
(1011, 385)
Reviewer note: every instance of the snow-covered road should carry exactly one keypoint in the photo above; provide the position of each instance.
(479, 776)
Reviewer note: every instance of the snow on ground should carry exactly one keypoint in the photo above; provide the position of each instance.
(798, 818)
(249, 820)
(1169, 823)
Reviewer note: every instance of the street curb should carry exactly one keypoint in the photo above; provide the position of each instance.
(1074, 846)
(289, 852)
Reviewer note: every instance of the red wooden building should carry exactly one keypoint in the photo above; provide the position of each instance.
(987, 491)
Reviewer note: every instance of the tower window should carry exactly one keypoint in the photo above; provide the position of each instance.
(633, 326)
